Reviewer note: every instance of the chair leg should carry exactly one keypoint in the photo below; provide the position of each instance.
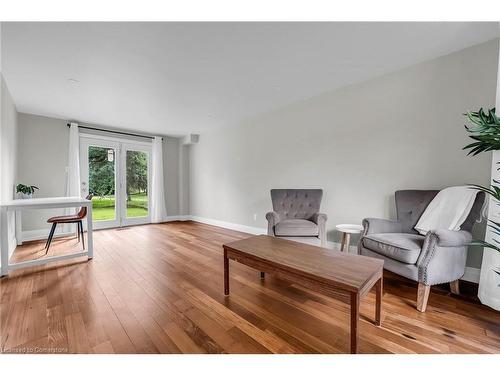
(81, 234)
(455, 287)
(422, 296)
(48, 237)
(51, 235)
(78, 230)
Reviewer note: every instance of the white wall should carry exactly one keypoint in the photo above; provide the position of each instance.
(171, 174)
(360, 144)
(8, 152)
(183, 179)
(42, 161)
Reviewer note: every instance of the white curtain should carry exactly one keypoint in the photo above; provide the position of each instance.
(73, 175)
(489, 283)
(158, 210)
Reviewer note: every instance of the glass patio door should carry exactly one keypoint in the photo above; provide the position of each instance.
(99, 170)
(136, 175)
(118, 175)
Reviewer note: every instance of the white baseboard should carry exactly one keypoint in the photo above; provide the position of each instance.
(227, 225)
(471, 274)
(255, 230)
(41, 234)
(353, 249)
(177, 218)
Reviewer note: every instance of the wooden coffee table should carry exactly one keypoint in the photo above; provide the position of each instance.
(346, 277)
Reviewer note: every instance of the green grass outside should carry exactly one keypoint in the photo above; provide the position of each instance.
(103, 208)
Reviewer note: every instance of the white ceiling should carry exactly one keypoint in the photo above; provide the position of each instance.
(177, 78)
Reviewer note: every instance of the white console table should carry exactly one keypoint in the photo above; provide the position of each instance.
(41, 203)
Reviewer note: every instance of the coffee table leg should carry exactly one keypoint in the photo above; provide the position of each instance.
(354, 322)
(226, 274)
(378, 302)
(262, 275)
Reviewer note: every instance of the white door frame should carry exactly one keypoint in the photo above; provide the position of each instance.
(84, 175)
(121, 146)
(126, 146)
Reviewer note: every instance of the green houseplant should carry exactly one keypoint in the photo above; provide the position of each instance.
(484, 129)
(26, 191)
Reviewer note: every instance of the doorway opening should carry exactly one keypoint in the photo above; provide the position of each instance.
(118, 175)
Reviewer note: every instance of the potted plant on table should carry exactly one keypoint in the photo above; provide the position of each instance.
(26, 191)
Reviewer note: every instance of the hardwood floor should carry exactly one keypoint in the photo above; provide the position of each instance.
(159, 289)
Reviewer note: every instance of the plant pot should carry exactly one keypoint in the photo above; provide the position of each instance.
(25, 196)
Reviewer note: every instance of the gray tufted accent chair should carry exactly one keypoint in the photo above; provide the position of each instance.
(296, 215)
(436, 258)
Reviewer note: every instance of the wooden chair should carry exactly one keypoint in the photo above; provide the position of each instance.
(67, 219)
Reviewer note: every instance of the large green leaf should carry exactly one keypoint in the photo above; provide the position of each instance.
(485, 130)
(485, 244)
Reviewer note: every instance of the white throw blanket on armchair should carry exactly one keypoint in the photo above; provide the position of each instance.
(448, 210)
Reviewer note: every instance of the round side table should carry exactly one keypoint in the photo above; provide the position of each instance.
(347, 230)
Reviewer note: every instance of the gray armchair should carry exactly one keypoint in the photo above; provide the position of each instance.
(436, 258)
(296, 215)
